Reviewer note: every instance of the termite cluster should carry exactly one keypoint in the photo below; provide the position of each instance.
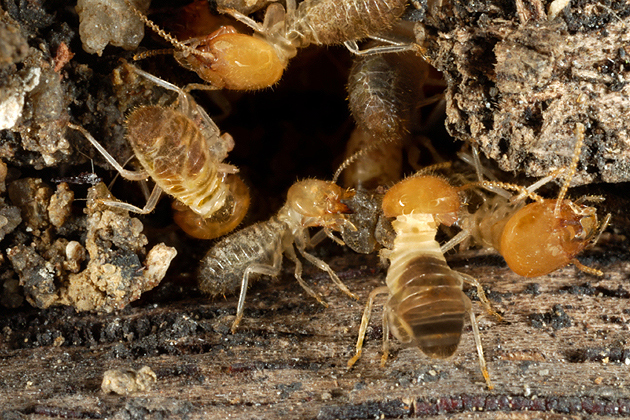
(182, 151)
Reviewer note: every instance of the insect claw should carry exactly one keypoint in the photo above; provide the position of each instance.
(384, 359)
(354, 359)
(236, 322)
(587, 269)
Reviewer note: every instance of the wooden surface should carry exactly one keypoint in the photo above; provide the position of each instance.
(288, 358)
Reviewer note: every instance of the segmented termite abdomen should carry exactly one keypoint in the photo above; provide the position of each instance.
(382, 91)
(175, 153)
(222, 268)
(429, 307)
(224, 220)
(334, 22)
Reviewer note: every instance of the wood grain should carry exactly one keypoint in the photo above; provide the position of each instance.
(561, 352)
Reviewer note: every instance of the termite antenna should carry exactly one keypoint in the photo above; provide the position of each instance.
(433, 168)
(168, 37)
(152, 53)
(579, 133)
(358, 154)
(506, 186)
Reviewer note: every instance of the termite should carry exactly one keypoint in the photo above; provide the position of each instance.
(540, 237)
(384, 94)
(258, 249)
(384, 90)
(426, 305)
(182, 150)
(229, 59)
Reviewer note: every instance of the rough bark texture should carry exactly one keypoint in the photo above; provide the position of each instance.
(518, 82)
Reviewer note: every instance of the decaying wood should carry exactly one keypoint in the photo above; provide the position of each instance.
(519, 81)
(563, 348)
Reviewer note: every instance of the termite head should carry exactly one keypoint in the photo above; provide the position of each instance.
(239, 61)
(536, 241)
(221, 222)
(318, 203)
(425, 194)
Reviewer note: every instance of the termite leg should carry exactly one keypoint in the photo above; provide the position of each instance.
(290, 253)
(482, 295)
(199, 86)
(482, 360)
(329, 233)
(586, 269)
(130, 175)
(181, 93)
(127, 174)
(365, 320)
(385, 341)
(269, 270)
(242, 18)
(454, 241)
(148, 207)
(602, 228)
(393, 47)
(325, 267)
(317, 238)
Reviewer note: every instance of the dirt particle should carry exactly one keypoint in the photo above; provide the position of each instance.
(128, 381)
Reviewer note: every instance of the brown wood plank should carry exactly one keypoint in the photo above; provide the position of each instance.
(288, 357)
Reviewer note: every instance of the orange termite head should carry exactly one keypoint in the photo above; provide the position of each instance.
(318, 202)
(425, 194)
(241, 62)
(535, 241)
(223, 221)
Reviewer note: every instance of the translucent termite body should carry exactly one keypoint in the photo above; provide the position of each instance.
(542, 236)
(258, 249)
(223, 221)
(230, 59)
(426, 305)
(380, 162)
(182, 150)
(385, 92)
(330, 22)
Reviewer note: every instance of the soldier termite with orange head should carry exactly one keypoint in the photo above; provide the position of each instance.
(426, 305)
(182, 150)
(540, 237)
(258, 249)
(232, 60)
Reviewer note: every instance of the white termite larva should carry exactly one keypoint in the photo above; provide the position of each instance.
(258, 249)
